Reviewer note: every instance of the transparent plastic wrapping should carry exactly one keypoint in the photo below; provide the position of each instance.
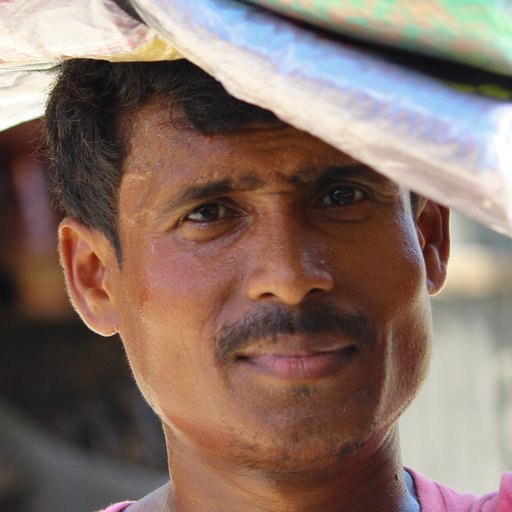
(36, 35)
(22, 95)
(45, 31)
(453, 147)
(478, 33)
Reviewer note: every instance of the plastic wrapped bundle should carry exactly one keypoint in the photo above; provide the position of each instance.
(40, 32)
(478, 33)
(37, 35)
(417, 130)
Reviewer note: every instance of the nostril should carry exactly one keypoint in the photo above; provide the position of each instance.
(267, 295)
(317, 291)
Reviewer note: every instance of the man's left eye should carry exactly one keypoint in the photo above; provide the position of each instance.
(342, 195)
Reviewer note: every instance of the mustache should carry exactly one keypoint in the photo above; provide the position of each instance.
(269, 322)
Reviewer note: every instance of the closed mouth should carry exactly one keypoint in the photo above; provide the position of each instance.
(299, 365)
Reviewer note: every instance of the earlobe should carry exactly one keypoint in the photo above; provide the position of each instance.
(434, 236)
(88, 261)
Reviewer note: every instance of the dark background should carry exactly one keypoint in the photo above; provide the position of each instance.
(74, 432)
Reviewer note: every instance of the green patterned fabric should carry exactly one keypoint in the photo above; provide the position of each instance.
(474, 32)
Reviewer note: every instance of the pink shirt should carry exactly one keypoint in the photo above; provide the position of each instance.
(434, 497)
(118, 507)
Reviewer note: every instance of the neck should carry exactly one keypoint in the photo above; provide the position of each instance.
(369, 479)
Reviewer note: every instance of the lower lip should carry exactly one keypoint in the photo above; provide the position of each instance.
(303, 367)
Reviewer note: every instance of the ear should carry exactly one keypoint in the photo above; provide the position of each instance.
(432, 224)
(90, 268)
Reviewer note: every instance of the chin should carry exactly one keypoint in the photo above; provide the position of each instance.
(298, 449)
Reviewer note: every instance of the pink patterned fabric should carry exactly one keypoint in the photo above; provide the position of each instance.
(435, 497)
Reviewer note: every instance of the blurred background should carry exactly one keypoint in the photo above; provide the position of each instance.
(75, 433)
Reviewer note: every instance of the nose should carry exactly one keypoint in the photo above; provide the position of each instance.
(286, 266)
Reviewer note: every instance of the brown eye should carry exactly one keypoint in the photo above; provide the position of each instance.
(205, 213)
(342, 196)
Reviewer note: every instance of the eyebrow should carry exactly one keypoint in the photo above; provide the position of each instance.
(332, 172)
(213, 189)
(216, 188)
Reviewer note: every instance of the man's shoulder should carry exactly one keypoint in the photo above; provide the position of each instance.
(436, 497)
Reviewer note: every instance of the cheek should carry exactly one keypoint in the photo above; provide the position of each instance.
(408, 358)
(406, 304)
(386, 272)
(171, 299)
(172, 287)
(388, 279)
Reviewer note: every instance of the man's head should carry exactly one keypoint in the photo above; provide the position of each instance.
(273, 292)
(88, 118)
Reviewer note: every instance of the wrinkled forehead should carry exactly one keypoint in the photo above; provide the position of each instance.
(163, 144)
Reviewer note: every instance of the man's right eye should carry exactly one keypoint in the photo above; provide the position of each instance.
(210, 212)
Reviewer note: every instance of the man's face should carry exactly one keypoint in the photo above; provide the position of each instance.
(272, 297)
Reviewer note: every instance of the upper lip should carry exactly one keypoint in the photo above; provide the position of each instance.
(295, 346)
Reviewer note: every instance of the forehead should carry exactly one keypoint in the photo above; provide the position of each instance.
(165, 155)
(156, 141)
